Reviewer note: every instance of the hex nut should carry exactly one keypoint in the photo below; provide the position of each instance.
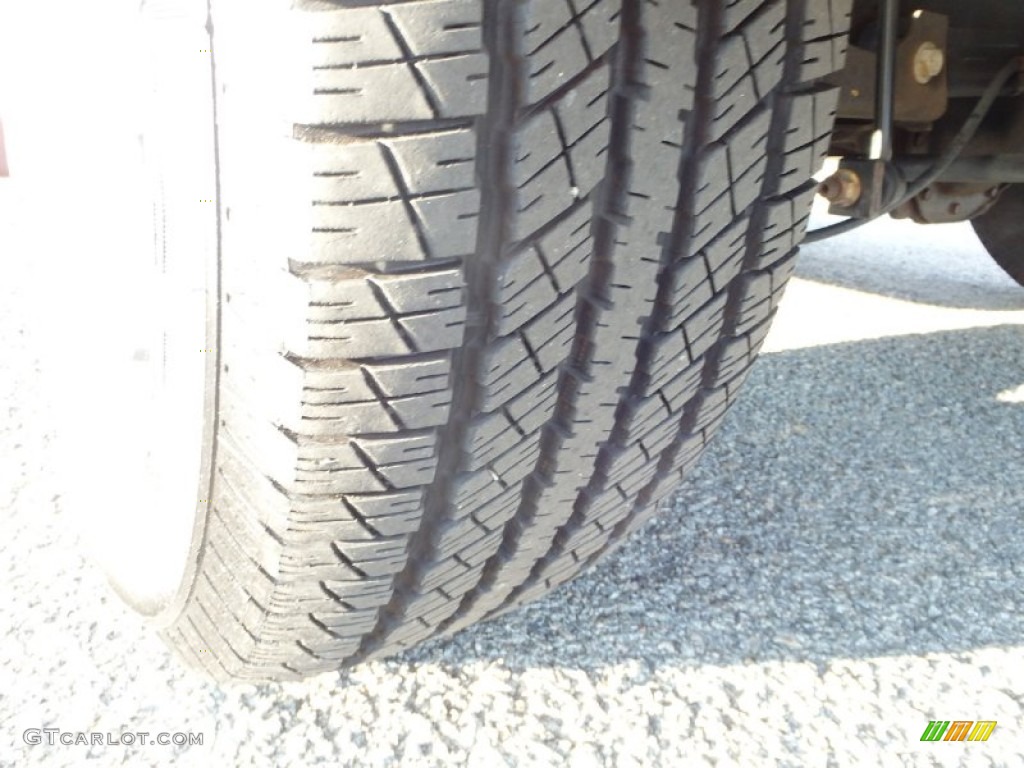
(843, 188)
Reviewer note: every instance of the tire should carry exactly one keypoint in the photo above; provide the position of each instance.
(1001, 231)
(491, 273)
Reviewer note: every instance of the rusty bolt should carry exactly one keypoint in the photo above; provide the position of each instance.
(843, 188)
(929, 61)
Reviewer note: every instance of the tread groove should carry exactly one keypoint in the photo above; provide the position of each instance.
(709, 26)
(604, 237)
(500, 41)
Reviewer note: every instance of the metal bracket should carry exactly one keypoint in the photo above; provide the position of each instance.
(917, 59)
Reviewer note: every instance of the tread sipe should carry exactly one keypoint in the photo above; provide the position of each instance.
(492, 272)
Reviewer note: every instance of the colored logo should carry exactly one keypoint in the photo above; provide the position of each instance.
(959, 730)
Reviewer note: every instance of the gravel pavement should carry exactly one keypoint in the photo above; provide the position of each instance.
(846, 564)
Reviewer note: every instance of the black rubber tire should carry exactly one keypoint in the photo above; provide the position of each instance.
(492, 272)
(1001, 231)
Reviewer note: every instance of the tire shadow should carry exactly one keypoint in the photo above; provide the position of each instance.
(862, 499)
(944, 265)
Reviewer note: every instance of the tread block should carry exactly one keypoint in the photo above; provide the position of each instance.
(379, 296)
(750, 66)
(356, 57)
(439, 26)
(422, 164)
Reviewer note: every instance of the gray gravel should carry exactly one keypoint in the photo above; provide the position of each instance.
(844, 566)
